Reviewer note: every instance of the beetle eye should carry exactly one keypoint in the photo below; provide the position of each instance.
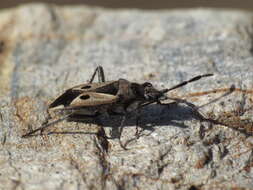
(147, 84)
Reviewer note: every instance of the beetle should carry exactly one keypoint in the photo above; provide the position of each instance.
(118, 97)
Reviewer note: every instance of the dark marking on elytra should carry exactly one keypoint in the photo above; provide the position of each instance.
(85, 97)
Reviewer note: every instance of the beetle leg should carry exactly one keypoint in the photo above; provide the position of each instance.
(48, 117)
(44, 126)
(192, 106)
(137, 133)
(101, 76)
(101, 140)
(121, 130)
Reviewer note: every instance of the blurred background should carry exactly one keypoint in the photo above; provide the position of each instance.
(143, 4)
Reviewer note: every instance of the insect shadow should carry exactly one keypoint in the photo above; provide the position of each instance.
(170, 114)
(154, 115)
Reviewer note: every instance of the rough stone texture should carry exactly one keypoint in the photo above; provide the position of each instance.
(46, 49)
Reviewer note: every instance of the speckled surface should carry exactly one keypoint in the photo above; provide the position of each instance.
(46, 49)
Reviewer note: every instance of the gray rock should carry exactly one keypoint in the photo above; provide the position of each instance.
(46, 49)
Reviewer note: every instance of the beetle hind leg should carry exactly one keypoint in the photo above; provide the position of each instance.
(138, 126)
(101, 76)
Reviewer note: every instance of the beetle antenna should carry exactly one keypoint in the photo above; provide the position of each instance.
(186, 82)
(44, 126)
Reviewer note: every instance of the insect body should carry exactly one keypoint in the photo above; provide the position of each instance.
(119, 97)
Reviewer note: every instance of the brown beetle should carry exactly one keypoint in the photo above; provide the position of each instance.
(119, 97)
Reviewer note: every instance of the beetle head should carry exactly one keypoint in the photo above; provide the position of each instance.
(151, 93)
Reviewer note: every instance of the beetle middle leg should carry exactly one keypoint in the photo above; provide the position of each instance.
(100, 72)
(121, 130)
(137, 133)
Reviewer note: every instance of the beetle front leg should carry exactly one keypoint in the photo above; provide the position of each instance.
(195, 109)
(101, 76)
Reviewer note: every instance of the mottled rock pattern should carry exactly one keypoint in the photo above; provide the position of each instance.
(45, 49)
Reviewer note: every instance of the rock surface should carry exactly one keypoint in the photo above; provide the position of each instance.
(45, 49)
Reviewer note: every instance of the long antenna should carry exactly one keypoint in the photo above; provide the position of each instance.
(45, 126)
(186, 82)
